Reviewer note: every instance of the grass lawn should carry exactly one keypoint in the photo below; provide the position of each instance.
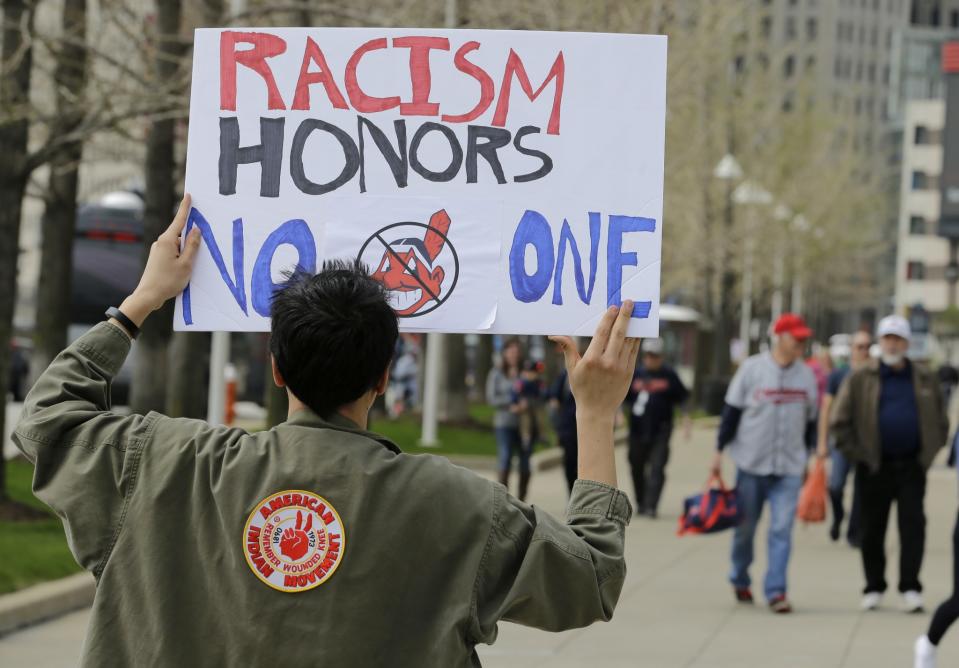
(454, 440)
(32, 551)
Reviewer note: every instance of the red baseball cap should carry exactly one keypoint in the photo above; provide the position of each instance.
(790, 323)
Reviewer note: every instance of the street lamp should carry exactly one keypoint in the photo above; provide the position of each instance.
(748, 192)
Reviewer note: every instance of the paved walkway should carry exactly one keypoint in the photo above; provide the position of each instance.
(676, 610)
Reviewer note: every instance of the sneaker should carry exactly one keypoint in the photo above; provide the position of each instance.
(743, 594)
(871, 600)
(925, 653)
(834, 532)
(912, 601)
(780, 605)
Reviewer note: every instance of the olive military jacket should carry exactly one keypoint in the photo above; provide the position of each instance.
(313, 543)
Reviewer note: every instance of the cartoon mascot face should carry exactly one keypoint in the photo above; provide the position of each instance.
(407, 268)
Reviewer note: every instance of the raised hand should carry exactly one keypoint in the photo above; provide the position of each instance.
(295, 542)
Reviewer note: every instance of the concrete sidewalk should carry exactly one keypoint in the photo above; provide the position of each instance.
(676, 609)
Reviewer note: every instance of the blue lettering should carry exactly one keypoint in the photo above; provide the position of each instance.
(294, 232)
(616, 259)
(566, 237)
(235, 285)
(533, 229)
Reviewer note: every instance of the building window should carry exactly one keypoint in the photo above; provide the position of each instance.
(810, 63)
(871, 73)
(917, 225)
(791, 27)
(812, 29)
(885, 74)
(934, 16)
(766, 26)
(954, 18)
(789, 66)
(921, 135)
(915, 271)
(919, 180)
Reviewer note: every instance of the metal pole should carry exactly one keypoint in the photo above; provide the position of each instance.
(796, 304)
(778, 283)
(216, 397)
(434, 341)
(746, 306)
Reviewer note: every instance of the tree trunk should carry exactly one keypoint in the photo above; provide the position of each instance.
(453, 401)
(150, 373)
(484, 362)
(59, 217)
(189, 363)
(189, 352)
(16, 59)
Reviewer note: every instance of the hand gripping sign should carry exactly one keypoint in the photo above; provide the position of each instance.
(494, 181)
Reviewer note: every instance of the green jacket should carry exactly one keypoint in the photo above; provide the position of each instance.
(854, 418)
(313, 543)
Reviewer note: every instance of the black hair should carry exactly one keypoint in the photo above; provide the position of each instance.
(333, 334)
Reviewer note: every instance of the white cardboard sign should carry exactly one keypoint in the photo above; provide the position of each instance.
(494, 181)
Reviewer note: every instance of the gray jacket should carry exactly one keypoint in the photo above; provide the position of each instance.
(499, 394)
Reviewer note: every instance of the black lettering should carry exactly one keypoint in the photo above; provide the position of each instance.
(350, 154)
(495, 139)
(269, 153)
(547, 161)
(396, 159)
(456, 153)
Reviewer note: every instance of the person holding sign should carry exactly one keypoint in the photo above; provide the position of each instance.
(217, 547)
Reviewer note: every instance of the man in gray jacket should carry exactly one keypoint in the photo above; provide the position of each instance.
(768, 427)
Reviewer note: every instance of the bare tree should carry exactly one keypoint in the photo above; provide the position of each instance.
(151, 372)
(16, 58)
(59, 218)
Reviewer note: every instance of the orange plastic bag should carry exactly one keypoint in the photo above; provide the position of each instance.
(813, 497)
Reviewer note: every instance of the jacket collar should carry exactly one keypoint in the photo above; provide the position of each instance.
(305, 417)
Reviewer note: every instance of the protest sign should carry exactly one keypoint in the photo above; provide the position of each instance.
(494, 181)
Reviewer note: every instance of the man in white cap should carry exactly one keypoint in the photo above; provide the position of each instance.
(889, 419)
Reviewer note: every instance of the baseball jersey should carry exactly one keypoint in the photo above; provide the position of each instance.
(777, 403)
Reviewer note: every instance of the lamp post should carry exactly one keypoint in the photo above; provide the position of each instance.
(751, 193)
(729, 171)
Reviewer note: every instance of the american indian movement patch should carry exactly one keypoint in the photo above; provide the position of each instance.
(294, 540)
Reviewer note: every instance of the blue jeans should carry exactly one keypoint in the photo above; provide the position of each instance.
(782, 493)
(508, 441)
(841, 468)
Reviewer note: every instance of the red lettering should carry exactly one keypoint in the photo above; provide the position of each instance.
(363, 103)
(326, 515)
(311, 502)
(265, 511)
(485, 82)
(265, 46)
(297, 499)
(287, 500)
(289, 581)
(313, 54)
(514, 65)
(277, 503)
(420, 77)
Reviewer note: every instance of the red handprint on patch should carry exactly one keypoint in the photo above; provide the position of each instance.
(295, 542)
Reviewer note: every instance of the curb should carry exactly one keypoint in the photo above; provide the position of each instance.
(45, 601)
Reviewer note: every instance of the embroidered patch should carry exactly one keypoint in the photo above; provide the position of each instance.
(294, 540)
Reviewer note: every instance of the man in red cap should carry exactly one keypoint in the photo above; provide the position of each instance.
(768, 427)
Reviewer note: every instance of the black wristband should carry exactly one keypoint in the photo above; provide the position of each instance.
(117, 314)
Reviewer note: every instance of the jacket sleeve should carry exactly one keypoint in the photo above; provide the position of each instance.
(842, 421)
(85, 456)
(539, 572)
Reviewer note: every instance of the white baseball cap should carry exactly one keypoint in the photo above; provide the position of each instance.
(653, 346)
(894, 325)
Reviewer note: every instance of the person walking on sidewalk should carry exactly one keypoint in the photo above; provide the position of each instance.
(890, 421)
(562, 408)
(652, 400)
(768, 427)
(501, 394)
(841, 467)
(948, 611)
(315, 542)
